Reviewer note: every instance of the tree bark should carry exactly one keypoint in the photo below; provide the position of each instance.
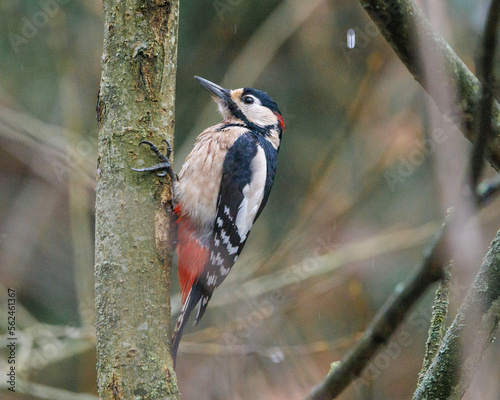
(132, 280)
(466, 341)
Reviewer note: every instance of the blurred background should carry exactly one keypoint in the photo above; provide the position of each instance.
(367, 170)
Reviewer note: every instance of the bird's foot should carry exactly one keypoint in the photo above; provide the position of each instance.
(163, 168)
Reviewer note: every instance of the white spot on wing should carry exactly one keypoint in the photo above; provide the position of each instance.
(253, 194)
(225, 239)
(211, 279)
(216, 259)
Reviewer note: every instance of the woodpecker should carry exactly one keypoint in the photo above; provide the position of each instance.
(221, 190)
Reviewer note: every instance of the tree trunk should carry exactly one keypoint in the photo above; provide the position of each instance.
(132, 280)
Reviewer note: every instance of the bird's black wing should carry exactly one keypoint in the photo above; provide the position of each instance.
(244, 188)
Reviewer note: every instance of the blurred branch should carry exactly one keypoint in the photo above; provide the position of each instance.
(448, 371)
(42, 345)
(80, 214)
(46, 392)
(483, 120)
(325, 264)
(409, 33)
(482, 123)
(64, 342)
(385, 322)
(319, 265)
(269, 352)
(466, 341)
(45, 148)
(81, 236)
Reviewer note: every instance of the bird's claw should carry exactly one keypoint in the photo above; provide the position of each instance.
(165, 167)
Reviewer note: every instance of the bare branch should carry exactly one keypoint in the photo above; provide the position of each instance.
(482, 123)
(485, 74)
(384, 323)
(409, 33)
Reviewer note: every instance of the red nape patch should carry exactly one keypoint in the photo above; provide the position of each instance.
(191, 254)
(280, 120)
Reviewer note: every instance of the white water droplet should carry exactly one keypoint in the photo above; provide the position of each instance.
(277, 355)
(351, 38)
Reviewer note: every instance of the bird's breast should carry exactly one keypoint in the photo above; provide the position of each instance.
(198, 185)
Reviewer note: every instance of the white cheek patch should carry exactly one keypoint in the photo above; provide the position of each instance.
(260, 115)
(253, 194)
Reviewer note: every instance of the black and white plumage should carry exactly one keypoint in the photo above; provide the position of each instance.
(221, 190)
(247, 177)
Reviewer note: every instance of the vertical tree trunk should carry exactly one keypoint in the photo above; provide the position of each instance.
(132, 283)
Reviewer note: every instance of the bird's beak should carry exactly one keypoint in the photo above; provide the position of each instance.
(220, 94)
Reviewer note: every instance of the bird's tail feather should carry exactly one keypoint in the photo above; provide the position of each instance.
(202, 307)
(192, 299)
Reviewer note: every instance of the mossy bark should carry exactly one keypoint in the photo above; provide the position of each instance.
(467, 339)
(133, 239)
(434, 64)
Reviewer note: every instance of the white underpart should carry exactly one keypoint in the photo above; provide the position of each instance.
(253, 194)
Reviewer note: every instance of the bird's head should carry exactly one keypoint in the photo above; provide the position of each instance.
(251, 106)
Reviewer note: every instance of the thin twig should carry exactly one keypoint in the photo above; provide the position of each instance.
(385, 322)
(270, 352)
(323, 264)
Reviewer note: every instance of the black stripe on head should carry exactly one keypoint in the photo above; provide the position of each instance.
(264, 98)
(236, 112)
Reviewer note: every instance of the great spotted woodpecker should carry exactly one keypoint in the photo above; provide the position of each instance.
(221, 190)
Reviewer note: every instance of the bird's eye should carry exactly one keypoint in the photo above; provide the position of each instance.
(248, 100)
